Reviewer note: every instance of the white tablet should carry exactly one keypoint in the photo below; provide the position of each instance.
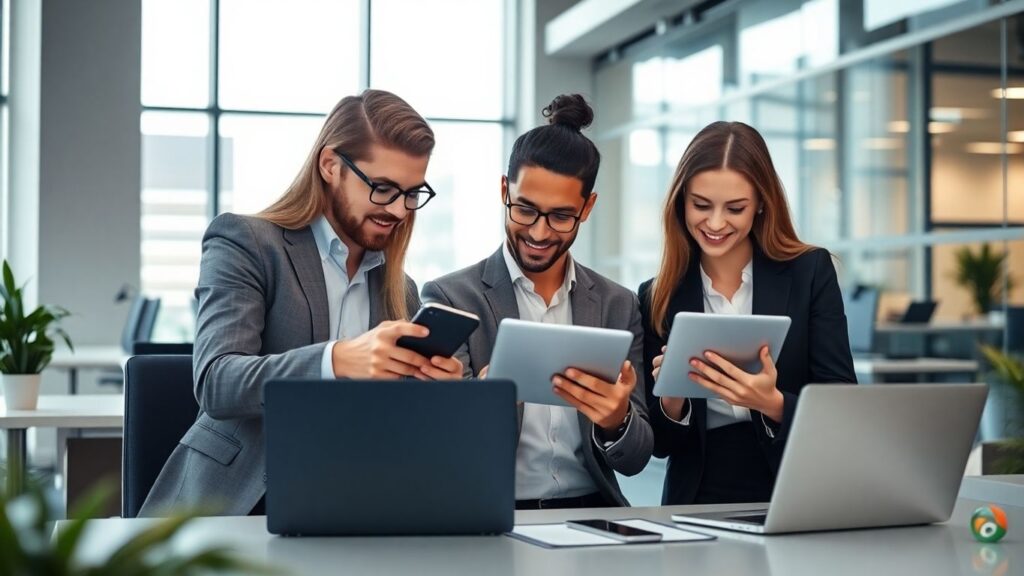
(736, 337)
(530, 353)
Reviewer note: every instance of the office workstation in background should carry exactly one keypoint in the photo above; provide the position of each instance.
(144, 140)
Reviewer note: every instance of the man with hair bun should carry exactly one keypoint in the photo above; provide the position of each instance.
(566, 457)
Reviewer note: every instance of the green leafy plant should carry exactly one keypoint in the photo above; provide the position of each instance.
(29, 548)
(980, 274)
(26, 341)
(1011, 373)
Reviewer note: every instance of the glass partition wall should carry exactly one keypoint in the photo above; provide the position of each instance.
(899, 138)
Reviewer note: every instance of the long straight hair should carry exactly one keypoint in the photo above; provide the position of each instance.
(722, 145)
(353, 126)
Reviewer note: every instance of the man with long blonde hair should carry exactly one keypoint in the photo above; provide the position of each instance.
(312, 287)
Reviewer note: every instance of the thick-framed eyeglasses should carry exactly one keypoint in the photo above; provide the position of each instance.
(528, 215)
(384, 193)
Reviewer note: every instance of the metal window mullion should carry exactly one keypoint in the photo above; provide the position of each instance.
(214, 110)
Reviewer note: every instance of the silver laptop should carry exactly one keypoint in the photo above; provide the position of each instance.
(865, 457)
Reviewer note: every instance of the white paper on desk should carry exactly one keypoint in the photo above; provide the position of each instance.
(561, 536)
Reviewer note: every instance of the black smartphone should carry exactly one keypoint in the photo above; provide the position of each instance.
(614, 530)
(449, 329)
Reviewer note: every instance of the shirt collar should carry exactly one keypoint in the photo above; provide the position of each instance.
(516, 274)
(746, 277)
(330, 246)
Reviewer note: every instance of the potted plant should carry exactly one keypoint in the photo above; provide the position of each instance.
(981, 274)
(29, 546)
(26, 343)
(1007, 455)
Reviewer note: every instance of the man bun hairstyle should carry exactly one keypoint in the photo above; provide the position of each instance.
(559, 146)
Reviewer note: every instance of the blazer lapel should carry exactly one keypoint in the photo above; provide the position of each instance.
(771, 286)
(585, 302)
(498, 288)
(301, 248)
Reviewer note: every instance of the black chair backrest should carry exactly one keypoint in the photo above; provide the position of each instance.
(151, 348)
(1015, 329)
(138, 327)
(159, 407)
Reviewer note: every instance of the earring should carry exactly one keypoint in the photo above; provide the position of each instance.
(760, 210)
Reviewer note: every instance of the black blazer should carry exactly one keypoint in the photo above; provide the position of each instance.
(817, 350)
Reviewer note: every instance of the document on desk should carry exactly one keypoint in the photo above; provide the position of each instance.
(561, 536)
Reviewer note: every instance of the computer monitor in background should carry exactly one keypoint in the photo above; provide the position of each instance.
(861, 311)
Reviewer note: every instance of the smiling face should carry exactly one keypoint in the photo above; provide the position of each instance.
(720, 208)
(537, 247)
(354, 217)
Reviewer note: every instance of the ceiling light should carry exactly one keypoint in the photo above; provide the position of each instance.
(993, 148)
(819, 144)
(1012, 93)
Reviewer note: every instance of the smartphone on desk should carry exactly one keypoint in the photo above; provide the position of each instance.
(614, 530)
(449, 328)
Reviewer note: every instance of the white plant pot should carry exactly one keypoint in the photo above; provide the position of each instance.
(21, 391)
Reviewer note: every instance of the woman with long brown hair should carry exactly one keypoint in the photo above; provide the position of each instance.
(731, 248)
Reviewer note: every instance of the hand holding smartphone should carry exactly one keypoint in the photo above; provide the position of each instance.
(449, 328)
(614, 530)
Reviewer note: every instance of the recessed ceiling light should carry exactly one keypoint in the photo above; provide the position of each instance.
(1012, 93)
(882, 143)
(899, 126)
(993, 148)
(818, 144)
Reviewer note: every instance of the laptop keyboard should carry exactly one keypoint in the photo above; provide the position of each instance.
(751, 518)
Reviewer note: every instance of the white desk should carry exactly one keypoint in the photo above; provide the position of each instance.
(939, 327)
(875, 367)
(97, 357)
(92, 411)
(943, 549)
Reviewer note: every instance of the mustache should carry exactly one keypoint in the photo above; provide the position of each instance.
(385, 217)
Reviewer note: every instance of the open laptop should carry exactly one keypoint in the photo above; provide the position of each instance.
(865, 457)
(351, 457)
(919, 312)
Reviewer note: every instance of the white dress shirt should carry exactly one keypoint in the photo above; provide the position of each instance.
(549, 460)
(720, 412)
(348, 299)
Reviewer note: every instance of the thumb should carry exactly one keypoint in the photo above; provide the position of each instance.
(766, 359)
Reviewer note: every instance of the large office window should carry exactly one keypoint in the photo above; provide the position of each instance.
(4, 124)
(234, 93)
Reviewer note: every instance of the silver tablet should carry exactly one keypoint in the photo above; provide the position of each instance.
(736, 337)
(530, 353)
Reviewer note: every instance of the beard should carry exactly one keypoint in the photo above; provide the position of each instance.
(354, 228)
(529, 263)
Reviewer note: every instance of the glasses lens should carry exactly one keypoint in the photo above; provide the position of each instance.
(416, 199)
(384, 194)
(522, 214)
(561, 222)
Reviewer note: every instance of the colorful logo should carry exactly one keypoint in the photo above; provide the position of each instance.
(988, 523)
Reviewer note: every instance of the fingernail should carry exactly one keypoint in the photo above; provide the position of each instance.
(694, 363)
(556, 380)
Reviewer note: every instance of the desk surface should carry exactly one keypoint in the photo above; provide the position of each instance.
(913, 365)
(89, 411)
(940, 326)
(935, 550)
(89, 357)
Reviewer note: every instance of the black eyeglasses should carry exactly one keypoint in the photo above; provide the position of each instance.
(384, 193)
(528, 216)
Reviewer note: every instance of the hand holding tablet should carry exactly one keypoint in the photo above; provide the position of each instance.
(738, 339)
(532, 353)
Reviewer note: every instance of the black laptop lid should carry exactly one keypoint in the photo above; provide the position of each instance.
(390, 457)
(919, 312)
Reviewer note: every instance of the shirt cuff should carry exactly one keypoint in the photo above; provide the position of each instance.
(685, 421)
(606, 446)
(767, 427)
(327, 362)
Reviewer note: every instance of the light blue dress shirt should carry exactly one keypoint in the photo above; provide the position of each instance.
(348, 299)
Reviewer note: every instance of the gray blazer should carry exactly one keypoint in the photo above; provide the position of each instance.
(263, 315)
(486, 290)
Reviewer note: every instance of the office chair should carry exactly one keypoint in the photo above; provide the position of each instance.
(159, 407)
(161, 348)
(1015, 329)
(138, 327)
